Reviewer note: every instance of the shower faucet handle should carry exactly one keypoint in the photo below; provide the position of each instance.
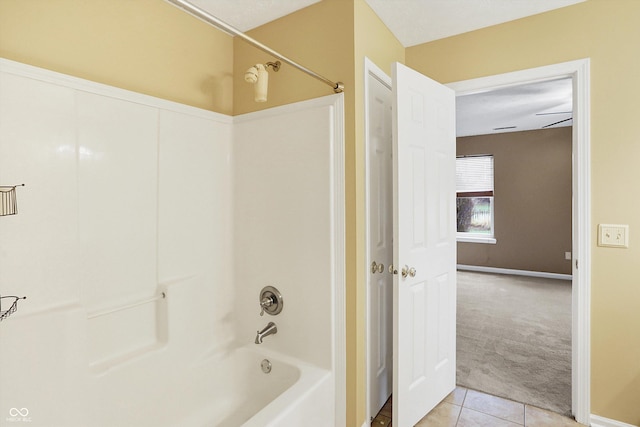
(267, 301)
(271, 301)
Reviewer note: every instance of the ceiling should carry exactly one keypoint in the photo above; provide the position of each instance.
(526, 107)
(419, 21)
(248, 14)
(411, 21)
(531, 106)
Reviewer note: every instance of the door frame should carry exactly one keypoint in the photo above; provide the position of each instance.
(579, 71)
(371, 71)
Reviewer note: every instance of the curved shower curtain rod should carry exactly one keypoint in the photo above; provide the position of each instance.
(221, 25)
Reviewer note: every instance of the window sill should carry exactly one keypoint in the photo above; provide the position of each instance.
(476, 239)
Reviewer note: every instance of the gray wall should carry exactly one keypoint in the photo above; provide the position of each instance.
(532, 200)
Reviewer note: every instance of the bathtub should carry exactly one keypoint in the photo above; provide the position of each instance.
(294, 393)
(165, 386)
(224, 389)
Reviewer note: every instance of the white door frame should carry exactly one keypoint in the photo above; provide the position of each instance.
(581, 216)
(578, 70)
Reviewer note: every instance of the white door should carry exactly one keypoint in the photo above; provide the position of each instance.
(424, 292)
(380, 244)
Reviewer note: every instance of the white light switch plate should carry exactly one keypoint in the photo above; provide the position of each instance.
(613, 235)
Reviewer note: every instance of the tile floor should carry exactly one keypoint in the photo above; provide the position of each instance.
(471, 408)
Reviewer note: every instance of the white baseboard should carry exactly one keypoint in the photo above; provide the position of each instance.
(496, 270)
(598, 421)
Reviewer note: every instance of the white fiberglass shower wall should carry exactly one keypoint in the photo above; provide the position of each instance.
(144, 233)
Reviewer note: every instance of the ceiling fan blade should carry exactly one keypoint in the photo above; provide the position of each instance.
(558, 112)
(557, 123)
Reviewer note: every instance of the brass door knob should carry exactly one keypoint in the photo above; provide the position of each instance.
(406, 271)
(376, 268)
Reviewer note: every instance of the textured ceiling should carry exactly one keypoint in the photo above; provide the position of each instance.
(530, 106)
(411, 21)
(419, 21)
(248, 14)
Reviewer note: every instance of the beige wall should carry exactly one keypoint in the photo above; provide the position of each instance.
(320, 37)
(532, 203)
(146, 46)
(606, 31)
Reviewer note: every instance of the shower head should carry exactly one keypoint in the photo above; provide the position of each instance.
(251, 75)
(258, 76)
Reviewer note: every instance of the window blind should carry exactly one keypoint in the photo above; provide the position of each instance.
(474, 176)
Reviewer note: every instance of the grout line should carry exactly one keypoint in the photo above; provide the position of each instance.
(482, 411)
(495, 416)
(466, 391)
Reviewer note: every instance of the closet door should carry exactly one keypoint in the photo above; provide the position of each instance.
(380, 222)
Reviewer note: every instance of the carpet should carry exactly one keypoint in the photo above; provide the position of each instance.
(514, 338)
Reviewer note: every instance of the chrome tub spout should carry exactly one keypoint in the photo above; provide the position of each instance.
(270, 329)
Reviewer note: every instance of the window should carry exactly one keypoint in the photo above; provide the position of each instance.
(474, 198)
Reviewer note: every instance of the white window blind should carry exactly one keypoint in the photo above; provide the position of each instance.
(474, 175)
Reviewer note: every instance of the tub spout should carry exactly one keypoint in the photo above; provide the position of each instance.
(270, 329)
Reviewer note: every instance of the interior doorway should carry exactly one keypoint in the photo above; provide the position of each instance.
(377, 357)
(514, 154)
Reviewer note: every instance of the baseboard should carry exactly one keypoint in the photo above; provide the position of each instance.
(598, 421)
(496, 270)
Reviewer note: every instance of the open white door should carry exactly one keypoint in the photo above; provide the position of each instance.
(424, 283)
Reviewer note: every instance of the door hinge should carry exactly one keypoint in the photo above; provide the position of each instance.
(576, 264)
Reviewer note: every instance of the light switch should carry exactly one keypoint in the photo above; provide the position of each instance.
(613, 235)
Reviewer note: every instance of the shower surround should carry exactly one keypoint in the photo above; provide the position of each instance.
(145, 233)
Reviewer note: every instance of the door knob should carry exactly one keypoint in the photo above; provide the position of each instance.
(406, 271)
(391, 270)
(377, 268)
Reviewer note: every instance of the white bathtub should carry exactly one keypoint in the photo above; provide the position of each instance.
(294, 393)
(220, 390)
(163, 387)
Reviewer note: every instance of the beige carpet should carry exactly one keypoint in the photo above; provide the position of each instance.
(514, 338)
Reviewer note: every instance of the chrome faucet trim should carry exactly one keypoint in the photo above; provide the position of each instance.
(270, 329)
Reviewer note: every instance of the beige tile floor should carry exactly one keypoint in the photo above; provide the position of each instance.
(471, 408)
